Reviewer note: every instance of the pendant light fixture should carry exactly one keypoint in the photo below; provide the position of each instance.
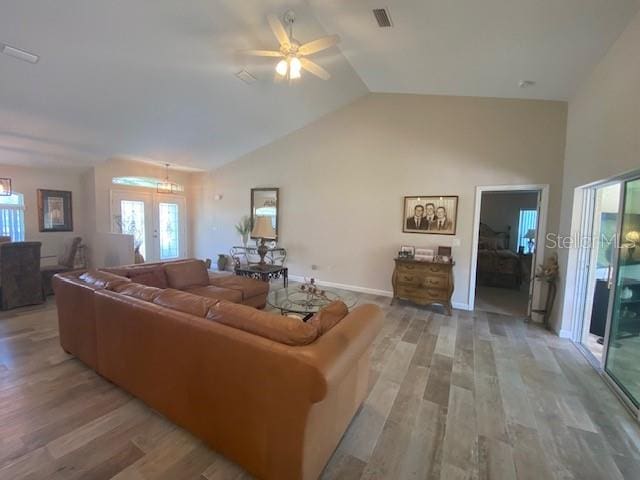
(166, 186)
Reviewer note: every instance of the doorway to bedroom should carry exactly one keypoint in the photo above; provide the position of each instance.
(506, 240)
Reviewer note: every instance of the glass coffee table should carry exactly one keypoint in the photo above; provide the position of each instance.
(294, 300)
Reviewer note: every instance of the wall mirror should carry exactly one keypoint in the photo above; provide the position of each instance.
(264, 203)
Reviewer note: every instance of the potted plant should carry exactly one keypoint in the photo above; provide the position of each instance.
(244, 229)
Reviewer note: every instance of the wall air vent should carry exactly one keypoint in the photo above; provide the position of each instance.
(382, 17)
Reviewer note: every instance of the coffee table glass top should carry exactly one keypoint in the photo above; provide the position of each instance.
(292, 299)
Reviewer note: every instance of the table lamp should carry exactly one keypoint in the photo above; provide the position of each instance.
(531, 235)
(263, 229)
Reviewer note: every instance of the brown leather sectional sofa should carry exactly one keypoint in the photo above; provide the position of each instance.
(269, 392)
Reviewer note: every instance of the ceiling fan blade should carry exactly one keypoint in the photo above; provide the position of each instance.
(278, 29)
(314, 68)
(262, 53)
(319, 44)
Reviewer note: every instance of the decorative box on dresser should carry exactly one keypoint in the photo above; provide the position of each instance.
(422, 282)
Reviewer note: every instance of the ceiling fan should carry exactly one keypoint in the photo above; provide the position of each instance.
(293, 54)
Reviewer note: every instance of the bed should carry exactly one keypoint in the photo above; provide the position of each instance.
(497, 265)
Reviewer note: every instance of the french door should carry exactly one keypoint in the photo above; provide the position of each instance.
(157, 222)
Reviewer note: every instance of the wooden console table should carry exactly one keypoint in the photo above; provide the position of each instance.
(424, 283)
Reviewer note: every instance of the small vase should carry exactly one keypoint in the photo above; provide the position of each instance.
(222, 262)
(245, 240)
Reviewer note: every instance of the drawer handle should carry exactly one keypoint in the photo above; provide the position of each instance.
(408, 278)
(434, 269)
(433, 282)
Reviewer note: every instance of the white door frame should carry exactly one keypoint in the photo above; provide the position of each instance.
(541, 232)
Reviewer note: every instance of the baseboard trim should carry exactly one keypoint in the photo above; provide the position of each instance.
(344, 286)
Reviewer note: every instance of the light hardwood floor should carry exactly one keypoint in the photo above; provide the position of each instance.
(474, 395)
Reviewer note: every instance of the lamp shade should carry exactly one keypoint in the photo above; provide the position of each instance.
(262, 228)
(531, 234)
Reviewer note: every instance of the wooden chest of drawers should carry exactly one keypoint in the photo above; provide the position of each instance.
(424, 283)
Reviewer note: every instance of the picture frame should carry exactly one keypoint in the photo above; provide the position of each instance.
(430, 214)
(55, 211)
(408, 249)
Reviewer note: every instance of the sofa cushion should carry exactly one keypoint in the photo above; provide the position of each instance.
(287, 330)
(152, 276)
(217, 293)
(248, 286)
(182, 275)
(149, 275)
(139, 291)
(100, 279)
(184, 302)
(329, 316)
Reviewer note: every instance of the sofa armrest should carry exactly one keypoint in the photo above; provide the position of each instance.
(334, 354)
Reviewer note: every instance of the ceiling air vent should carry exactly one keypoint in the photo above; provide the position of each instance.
(246, 77)
(382, 17)
(18, 53)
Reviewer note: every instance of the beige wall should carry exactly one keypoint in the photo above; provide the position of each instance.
(342, 179)
(603, 140)
(27, 181)
(105, 251)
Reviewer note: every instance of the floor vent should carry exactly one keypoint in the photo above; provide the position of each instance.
(382, 17)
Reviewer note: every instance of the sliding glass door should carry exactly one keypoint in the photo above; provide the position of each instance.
(599, 274)
(623, 345)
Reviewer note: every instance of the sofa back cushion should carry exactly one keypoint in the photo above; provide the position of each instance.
(184, 302)
(182, 275)
(139, 291)
(279, 328)
(100, 279)
(329, 316)
(149, 275)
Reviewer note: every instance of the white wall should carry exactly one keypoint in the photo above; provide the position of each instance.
(342, 179)
(603, 140)
(501, 210)
(27, 181)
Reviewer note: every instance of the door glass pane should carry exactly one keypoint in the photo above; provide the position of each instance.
(169, 231)
(132, 212)
(623, 353)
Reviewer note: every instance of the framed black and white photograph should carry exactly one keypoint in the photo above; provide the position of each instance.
(54, 211)
(431, 215)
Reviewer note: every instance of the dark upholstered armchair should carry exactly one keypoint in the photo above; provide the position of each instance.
(20, 280)
(65, 264)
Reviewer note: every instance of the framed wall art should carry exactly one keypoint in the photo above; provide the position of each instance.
(55, 211)
(434, 215)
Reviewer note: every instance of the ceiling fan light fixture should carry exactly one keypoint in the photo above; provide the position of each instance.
(294, 68)
(282, 67)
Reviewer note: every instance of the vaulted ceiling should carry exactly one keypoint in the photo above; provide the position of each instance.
(155, 79)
